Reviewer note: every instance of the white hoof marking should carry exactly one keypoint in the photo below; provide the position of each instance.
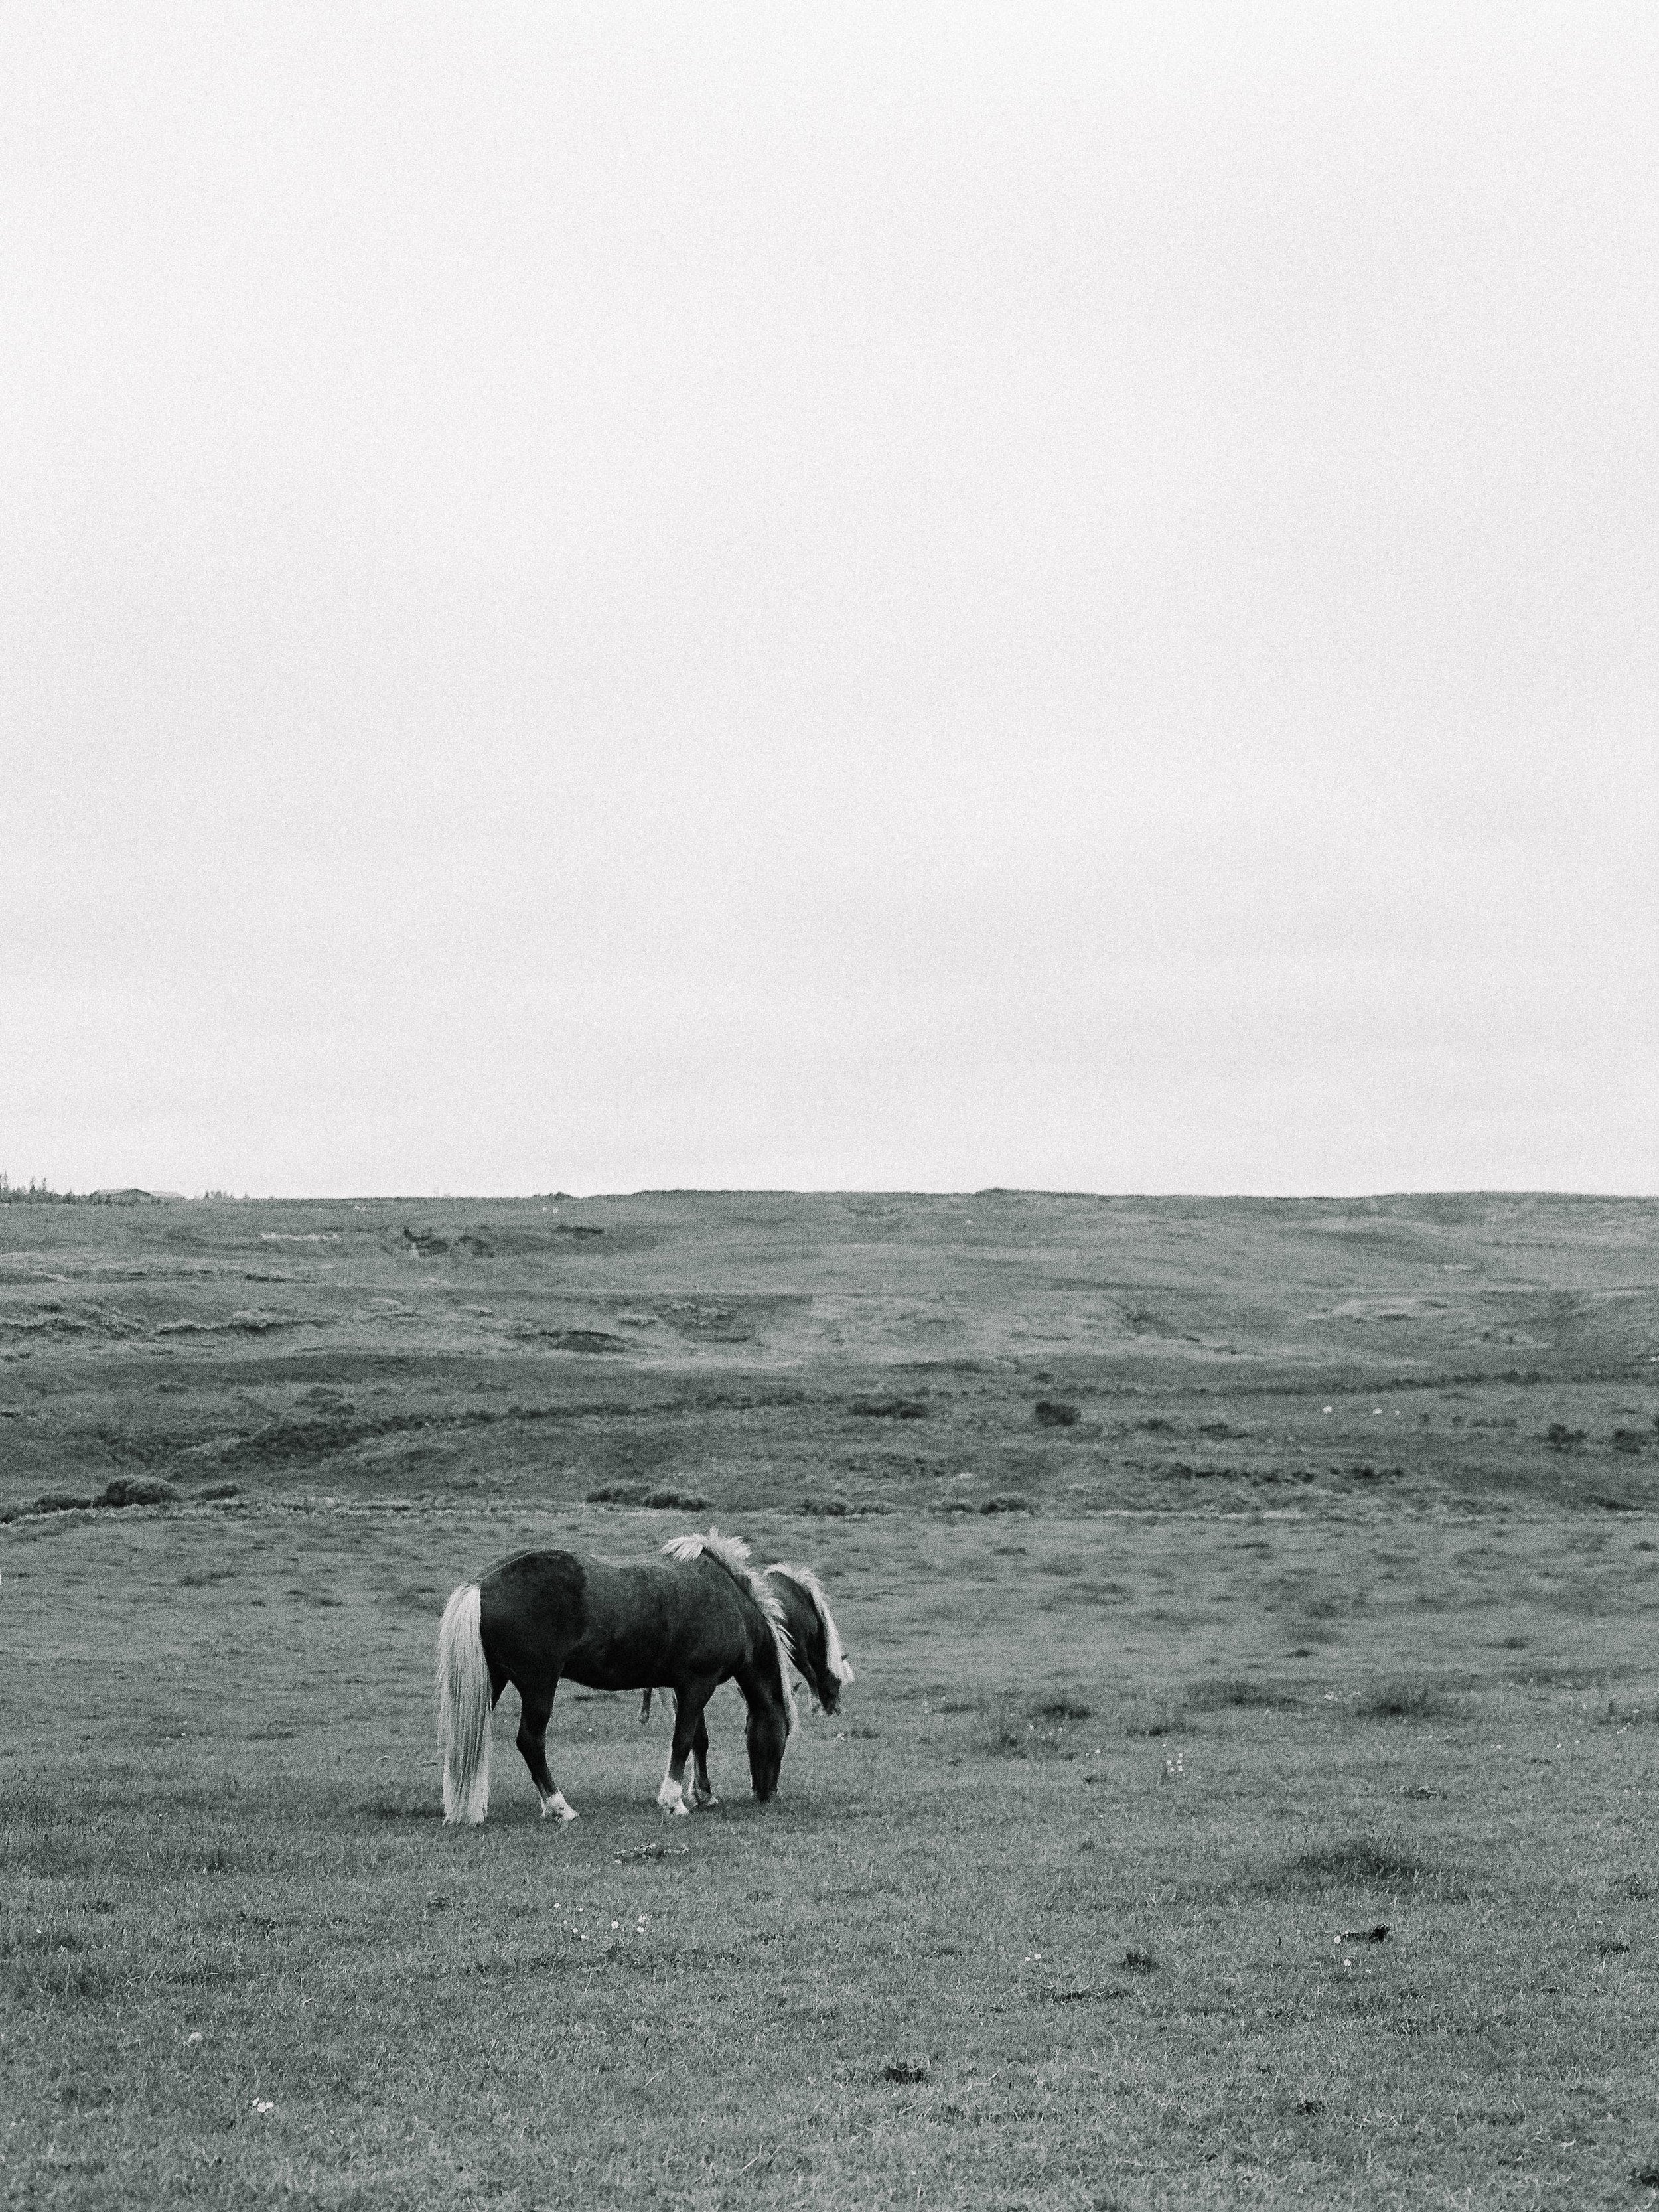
(555, 1805)
(672, 1798)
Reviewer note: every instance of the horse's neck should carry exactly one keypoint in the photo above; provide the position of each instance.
(762, 1671)
(799, 1614)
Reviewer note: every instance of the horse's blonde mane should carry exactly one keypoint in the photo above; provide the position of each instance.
(733, 1555)
(805, 1580)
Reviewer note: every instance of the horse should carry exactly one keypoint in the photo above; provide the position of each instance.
(700, 1617)
(814, 1645)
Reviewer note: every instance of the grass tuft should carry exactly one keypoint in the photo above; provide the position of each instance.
(1409, 1700)
(1164, 1716)
(1358, 1862)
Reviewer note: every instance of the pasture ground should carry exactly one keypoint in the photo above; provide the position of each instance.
(1070, 1907)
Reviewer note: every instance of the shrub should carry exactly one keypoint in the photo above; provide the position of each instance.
(139, 1489)
(636, 1493)
(1559, 1437)
(1012, 1502)
(1053, 1413)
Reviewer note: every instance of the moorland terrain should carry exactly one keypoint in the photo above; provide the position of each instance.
(764, 1350)
(1228, 1581)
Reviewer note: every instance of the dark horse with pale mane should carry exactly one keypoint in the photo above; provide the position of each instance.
(699, 1617)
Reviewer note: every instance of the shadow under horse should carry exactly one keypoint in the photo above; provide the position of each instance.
(692, 1620)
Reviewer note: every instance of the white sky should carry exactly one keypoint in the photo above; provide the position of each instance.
(838, 595)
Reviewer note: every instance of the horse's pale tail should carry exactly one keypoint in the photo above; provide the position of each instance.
(465, 1704)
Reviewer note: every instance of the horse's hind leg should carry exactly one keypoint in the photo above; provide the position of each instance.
(702, 1790)
(535, 1710)
(689, 1702)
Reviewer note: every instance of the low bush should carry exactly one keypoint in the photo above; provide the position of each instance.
(139, 1490)
(636, 1493)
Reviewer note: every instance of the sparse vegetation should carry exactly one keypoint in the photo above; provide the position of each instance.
(1096, 1850)
(296, 1904)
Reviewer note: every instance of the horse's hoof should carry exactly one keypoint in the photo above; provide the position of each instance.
(704, 1798)
(679, 1810)
(556, 1808)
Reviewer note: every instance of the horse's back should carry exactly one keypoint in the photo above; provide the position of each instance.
(529, 1606)
(610, 1625)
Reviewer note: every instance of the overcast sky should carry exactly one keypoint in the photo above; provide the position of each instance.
(601, 597)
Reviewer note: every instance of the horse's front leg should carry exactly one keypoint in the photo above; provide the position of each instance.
(689, 1698)
(702, 1790)
(535, 1710)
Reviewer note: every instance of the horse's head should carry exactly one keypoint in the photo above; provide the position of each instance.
(828, 1672)
(813, 1635)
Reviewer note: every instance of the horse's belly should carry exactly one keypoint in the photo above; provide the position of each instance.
(619, 1671)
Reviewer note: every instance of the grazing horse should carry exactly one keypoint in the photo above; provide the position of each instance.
(696, 1618)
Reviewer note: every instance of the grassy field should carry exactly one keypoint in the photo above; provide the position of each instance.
(1072, 1906)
